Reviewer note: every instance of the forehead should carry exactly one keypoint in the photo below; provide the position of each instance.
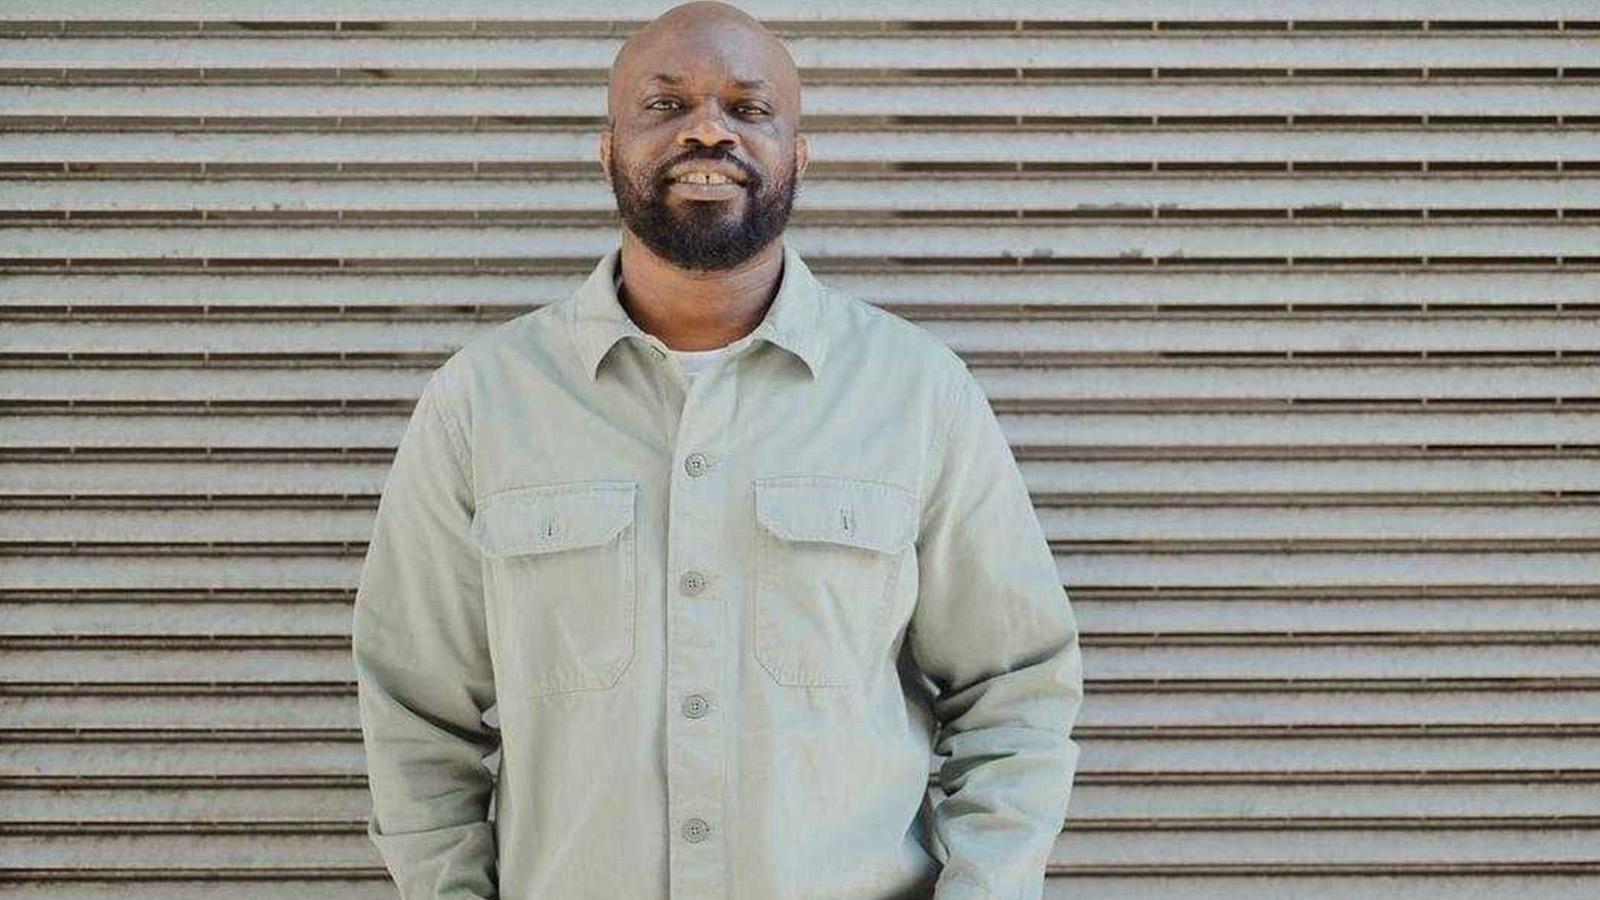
(681, 79)
(714, 57)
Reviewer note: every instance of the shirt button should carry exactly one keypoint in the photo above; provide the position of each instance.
(696, 706)
(695, 464)
(696, 830)
(692, 583)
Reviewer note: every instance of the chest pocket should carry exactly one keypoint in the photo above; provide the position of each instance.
(562, 572)
(828, 554)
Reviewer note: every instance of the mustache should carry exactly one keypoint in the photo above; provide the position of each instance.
(752, 179)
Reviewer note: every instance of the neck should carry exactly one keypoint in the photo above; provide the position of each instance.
(691, 310)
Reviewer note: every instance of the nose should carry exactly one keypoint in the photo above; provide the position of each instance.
(706, 126)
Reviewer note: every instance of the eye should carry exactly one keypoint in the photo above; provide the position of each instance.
(753, 110)
(652, 103)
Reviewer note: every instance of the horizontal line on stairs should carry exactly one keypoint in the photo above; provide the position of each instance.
(921, 265)
(172, 643)
(1415, 777)
(279, 735)
(539, 23)
(1092, 686)
(288, 549)
(80, 874)
(332, 872)
(1286, 870)
(265, 73)
(859, 217)
(842, 123)
(213, 827)
(1040, 406)
(1123, 500)
(1106, 452)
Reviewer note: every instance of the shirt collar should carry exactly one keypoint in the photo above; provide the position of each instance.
(794, 319)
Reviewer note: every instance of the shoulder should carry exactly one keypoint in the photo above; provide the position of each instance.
(534, 337)
(889, 338)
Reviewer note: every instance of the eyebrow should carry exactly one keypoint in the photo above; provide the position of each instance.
(748, 84)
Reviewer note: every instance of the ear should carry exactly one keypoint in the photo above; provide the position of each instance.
(802, 154)
(605, 155)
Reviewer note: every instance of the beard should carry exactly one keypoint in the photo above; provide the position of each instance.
(699, 234)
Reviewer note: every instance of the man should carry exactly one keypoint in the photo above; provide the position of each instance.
(723, 606)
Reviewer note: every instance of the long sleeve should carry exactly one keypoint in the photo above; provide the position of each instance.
(995, 632)
(423, 672)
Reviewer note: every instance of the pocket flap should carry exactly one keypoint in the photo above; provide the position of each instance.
(548, 518)
(866, 514)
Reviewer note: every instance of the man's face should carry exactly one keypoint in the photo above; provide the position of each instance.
(694, 228)
(714, 107)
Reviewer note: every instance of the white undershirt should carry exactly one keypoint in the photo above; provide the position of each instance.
(693, 361)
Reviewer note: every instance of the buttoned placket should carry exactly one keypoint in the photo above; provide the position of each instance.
(696, 619)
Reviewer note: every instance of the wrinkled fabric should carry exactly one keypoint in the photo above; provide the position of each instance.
(620, 635)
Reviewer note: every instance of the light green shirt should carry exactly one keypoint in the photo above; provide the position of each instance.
(712, 631)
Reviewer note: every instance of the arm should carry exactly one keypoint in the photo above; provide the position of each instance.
(994, 630)
(422, 670)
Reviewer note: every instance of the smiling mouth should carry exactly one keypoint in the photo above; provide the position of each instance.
(707, 191)
(705, 177)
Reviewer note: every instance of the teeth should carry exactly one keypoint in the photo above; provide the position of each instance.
(705, 178)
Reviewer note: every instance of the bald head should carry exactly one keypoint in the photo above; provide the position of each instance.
(705, 36)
